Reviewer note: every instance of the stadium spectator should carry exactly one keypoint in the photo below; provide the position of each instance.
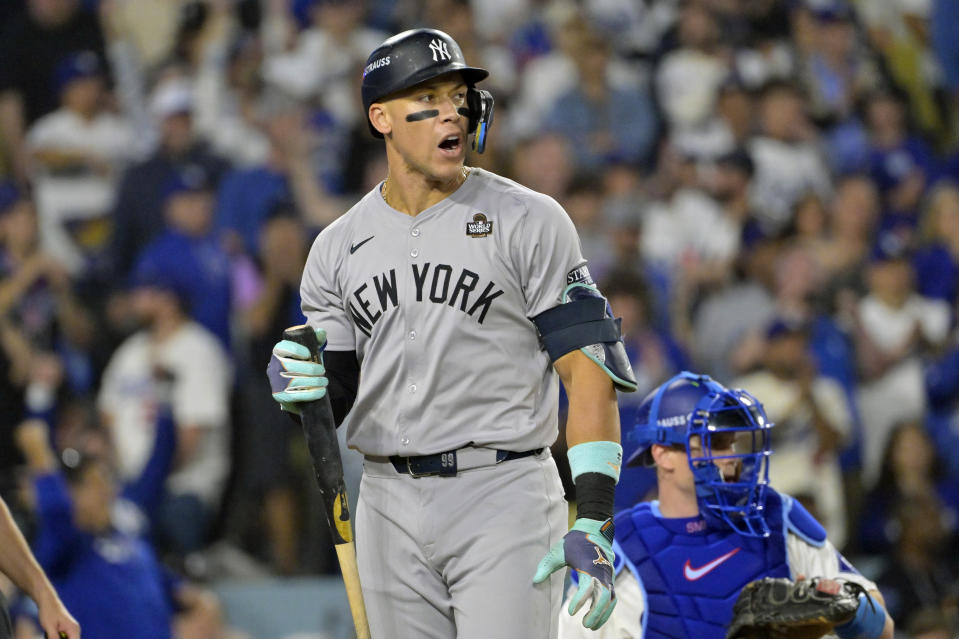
(812, 419)
(138, 216)
(731, 184)
(693, 235)
(271, 475)
(548, 76)
(904, 36)
(922, 570)
(936, 260)
(689, 77)
(603, 121)
(622, 215)
(227, 87)
(32, 45)
(584, 204)
(36, 292)
(248, 194)
(810, 220)
(853, 219)
(78, 152)
(912, 469)
(727, 128)
(788, 160)
(900, 163)
(190, 252)
(654, 353)
(942, 390)
(761, 33)
(457, 18)
(35, 287)
(175, 355)
(92, 540)
(893, 326)
(324, 55)
(735, 106)
(945, 13)
(838, 72)
(723, 339)
(545, 163)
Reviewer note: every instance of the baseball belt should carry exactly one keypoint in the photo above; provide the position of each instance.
(451, 462)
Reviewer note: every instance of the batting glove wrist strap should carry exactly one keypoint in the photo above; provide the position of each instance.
(587, 549)
(595, 495)
(869, 622)
(596, 457)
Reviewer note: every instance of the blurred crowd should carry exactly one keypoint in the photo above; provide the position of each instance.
(766, 190)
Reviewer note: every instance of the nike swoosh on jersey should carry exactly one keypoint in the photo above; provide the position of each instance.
(692, 574)
(353, 247)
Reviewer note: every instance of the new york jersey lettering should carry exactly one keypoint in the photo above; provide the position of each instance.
(439, 284)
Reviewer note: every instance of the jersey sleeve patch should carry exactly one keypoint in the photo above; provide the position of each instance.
(579, 275)
(802, 524)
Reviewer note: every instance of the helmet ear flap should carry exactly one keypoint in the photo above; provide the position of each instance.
(480, 105)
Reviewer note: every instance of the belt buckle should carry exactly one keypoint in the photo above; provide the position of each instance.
(448, 466)
(412, 473)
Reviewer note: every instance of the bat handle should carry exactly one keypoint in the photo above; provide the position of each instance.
(305, 336)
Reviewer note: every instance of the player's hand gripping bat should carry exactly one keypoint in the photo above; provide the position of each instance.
(320, 431)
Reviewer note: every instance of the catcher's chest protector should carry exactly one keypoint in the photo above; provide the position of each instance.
(691, 576)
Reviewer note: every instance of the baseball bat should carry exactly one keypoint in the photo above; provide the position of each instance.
(324, 448)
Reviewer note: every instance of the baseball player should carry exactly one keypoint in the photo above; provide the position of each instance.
(681, 561)
(452, 301)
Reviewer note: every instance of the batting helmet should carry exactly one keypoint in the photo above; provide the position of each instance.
(730, 425)
(416, 56)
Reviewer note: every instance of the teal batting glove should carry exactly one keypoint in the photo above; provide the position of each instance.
(588, 549)
(294, 376)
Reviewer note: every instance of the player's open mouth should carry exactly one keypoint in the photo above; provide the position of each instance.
(451, 145)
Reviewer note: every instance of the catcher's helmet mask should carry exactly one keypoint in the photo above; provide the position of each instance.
(692, 406)
(415, 56)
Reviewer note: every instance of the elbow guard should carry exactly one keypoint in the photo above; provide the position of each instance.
(584, 320)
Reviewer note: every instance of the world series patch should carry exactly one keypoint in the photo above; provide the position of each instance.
(479, 227)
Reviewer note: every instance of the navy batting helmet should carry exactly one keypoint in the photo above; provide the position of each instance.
(416, 56)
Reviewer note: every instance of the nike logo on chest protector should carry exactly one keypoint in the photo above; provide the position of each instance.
(692, 574)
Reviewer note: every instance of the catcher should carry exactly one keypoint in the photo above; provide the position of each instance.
(720, 554)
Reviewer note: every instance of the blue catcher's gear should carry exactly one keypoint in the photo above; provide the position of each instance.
(716, 425)
(691, 574)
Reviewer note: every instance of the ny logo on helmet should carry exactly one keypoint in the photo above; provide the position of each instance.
(440, 52)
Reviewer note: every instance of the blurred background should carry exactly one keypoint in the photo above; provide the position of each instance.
(766, 190)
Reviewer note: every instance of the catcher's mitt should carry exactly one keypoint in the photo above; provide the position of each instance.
(782, 609)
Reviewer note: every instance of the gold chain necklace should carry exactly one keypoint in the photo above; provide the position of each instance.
(385, 191)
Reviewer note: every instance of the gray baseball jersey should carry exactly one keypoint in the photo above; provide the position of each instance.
(437, 307)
